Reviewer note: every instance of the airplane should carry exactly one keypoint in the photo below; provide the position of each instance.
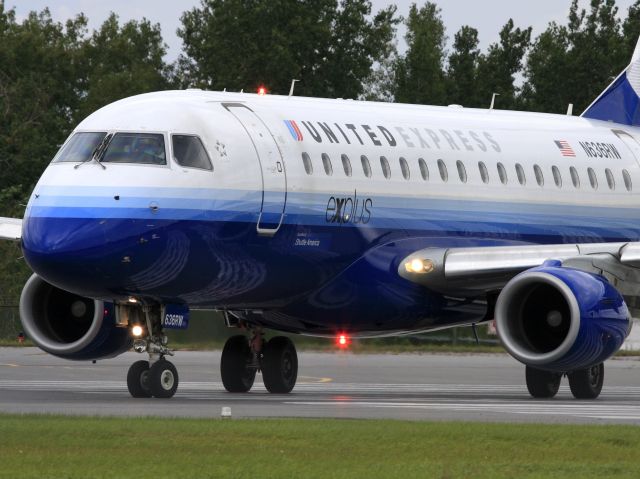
(333, 218)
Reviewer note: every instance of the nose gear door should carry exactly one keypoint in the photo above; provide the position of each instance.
(274, 179)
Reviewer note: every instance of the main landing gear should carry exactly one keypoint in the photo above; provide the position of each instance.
(242, 358)
(156, 377)
(584, 383)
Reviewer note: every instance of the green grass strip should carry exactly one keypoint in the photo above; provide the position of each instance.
(77, 447)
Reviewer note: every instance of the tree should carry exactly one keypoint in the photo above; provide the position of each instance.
(462, 73)
(503, 60)
(419, 74)
(242, 44)
(122, 61)
(574, 63)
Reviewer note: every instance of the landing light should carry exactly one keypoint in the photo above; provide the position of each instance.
(132, 300)
(137, 331)
(419, 266)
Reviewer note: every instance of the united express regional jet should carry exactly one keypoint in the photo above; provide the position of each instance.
(326, 217)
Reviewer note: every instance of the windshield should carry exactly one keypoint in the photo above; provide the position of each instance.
(140, 148)
(80, 147)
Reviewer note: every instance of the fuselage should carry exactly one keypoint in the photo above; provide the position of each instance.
(311, 204)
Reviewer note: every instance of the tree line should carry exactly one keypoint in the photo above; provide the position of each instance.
(52, 74)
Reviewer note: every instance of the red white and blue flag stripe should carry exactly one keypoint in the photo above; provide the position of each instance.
(294, 130)
(565, 148)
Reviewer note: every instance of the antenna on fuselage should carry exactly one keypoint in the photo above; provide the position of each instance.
(570, 110)
(293, 85)
(493, 100)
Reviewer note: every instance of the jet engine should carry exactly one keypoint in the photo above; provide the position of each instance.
(561, 319)
(70, 326)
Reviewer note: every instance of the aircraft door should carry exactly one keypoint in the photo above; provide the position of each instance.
(274, 179)
(630, 142)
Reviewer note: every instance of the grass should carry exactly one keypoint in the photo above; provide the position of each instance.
(74, 447)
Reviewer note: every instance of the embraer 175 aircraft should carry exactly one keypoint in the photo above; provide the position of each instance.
(326, 217)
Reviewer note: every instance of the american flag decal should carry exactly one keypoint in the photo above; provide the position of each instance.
(294, 130)
(565, 148)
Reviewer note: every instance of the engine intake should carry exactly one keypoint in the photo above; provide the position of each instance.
(561, 319)
(70, 326)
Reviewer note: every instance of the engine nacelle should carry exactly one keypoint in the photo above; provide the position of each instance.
(561, 319)
(70, 326)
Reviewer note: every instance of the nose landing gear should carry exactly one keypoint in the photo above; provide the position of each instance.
(242, 358)
(157, 377)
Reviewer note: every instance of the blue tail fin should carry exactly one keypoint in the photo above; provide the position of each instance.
(620, 102)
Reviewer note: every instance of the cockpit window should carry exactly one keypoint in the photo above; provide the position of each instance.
(80, 147)
(139, 148)
(189, 152)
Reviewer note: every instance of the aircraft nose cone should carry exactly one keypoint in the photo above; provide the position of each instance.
(65, 251)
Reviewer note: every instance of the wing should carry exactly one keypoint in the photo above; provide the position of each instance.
(465, 271)
(10, 229)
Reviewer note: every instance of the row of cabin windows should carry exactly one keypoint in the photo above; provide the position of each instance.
(462, 171)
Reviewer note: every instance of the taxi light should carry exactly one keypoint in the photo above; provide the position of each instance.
(137, 330)
(262, 91)
(419, 266)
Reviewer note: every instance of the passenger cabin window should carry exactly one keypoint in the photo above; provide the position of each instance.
(138, 148)
(627, 180)
(366, 167)
(346, 165)
(539, 176)
(386, 169)
(80, 147)
(611, 182)
(575, 178)
(189, 152)
(444, 174)
(593, 179)
(326, 162)
(522, 179)
(484, 173)
(424, 170)
(404, 167)
(462, 171)
(502, 173)
(557, 178)
(306, 161)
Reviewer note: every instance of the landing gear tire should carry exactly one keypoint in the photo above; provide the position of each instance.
(237, 376)
(138, 380)
(163, 379)
(279, 365)
(542, 384)
(587, 383)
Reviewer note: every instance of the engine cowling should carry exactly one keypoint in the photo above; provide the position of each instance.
(561, 319)
(70, 326)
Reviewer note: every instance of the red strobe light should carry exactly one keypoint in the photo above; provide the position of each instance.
(262, 91)
(342, 341)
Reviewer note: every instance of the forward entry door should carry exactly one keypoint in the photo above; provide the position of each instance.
(274, 179)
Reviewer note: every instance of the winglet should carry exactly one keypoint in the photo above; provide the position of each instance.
(620, 102)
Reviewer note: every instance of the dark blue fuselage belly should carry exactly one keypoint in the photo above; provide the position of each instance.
(312, 276)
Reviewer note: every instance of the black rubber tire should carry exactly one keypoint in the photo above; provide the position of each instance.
(542, 384)
(138, 380)
(279, 365)
(163, 379)
(236, 356)
(587, 383)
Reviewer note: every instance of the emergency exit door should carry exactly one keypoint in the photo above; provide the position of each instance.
(274, 179)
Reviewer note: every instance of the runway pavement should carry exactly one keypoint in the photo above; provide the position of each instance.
(340, 385)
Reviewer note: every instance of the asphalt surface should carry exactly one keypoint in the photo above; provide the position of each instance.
(339, 385)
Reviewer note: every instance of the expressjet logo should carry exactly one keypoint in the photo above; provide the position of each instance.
(294, 130)
(349, 210)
